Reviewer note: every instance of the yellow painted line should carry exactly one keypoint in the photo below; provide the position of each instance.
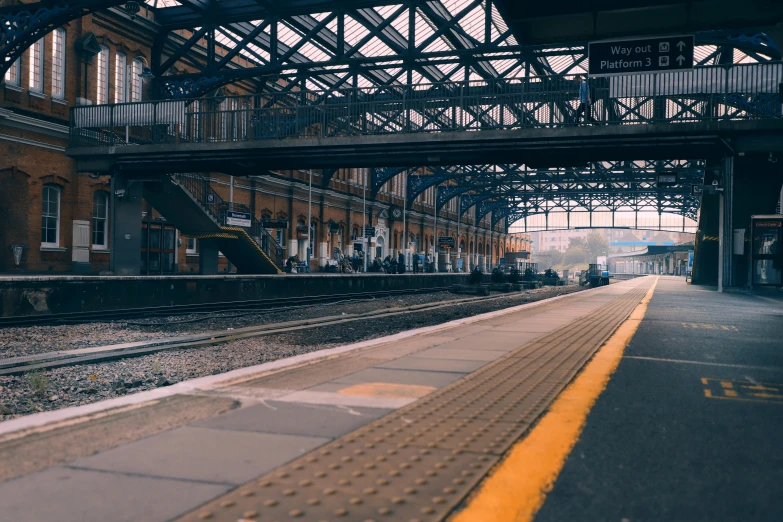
(729, 393)
(387, 390)
(708, 394)
(738, 399)
(516, 490)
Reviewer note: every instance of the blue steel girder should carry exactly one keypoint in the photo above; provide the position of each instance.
(403, 54)
(21, 25)
(616, 186)
(380, 176)
(756, 44)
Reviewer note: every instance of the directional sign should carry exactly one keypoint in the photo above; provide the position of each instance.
(642, 55)
(369, 231)
(238, 219)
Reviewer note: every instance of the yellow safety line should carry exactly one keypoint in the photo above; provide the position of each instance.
(517, 488)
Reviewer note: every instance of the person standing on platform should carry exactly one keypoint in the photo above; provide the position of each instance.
(584, 101)
(401, 263)
(415, 263)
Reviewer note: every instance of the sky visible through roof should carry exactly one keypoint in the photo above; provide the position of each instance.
(470, 33)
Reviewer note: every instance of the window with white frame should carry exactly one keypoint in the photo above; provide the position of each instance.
(135, 80)
(36, 66)
(58, 63)
(120, 77)
(103, 76)
(50, 216)
(191, 247)
(195, 120)
(100, 220)
(13, 75)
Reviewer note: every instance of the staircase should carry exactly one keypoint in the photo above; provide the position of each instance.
(189, 201)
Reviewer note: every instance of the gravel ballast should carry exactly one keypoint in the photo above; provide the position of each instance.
(84, 384)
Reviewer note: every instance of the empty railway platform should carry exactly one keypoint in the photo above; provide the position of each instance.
(645, 400)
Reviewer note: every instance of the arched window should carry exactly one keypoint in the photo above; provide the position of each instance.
(120, 77)
(58, 64)
(135, 80)
(50, 216)
(36, 66)
(102, 69)
(100, 221)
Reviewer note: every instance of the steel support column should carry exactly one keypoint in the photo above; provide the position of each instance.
(726, 227)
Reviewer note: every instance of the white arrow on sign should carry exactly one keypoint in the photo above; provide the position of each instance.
(680, 59)
(680, 45)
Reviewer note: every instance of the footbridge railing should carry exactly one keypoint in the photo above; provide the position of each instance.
(715, 93)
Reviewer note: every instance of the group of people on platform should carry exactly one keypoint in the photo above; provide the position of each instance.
(348, 264)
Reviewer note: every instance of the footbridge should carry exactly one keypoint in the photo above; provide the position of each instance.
(707, 112)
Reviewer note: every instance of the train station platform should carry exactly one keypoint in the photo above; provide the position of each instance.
(472, 420)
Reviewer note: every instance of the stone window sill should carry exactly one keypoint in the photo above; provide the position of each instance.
(12, 87)
(96, 250)
(53, 249)
(192, 254)
(37, 94)
(61, 101)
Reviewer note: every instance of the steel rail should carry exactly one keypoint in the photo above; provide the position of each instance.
(24, 364)
(158, 311)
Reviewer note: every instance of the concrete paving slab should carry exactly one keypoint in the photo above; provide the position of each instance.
(329, 394)
(203, 454)
(463, 355)
(440, 365)
(497, 340)
(414, 377)
(407, 346)
(286, 418)
(539, 327)
(76, 495)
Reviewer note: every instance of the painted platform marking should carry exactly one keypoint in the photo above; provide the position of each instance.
(742, 390)
(706, 326)
(387, 390)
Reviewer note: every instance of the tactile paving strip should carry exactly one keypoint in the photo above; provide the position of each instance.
(418, 463)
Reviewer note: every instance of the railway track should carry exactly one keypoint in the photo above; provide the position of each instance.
(23, 364)
(161, 311)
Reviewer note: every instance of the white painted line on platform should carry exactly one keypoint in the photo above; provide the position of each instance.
(705, 363)
(242, 374)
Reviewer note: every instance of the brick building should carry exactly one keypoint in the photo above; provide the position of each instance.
(45, 205)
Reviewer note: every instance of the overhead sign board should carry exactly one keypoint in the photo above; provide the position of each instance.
(238, 219)
(275, 223)
(641, 55)
(446, 241)
(369, 231)
(666, 179)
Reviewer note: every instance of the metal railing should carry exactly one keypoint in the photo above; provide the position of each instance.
(733, 92)
(201, 190)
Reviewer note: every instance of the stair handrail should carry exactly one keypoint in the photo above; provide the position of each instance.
(200, 188)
